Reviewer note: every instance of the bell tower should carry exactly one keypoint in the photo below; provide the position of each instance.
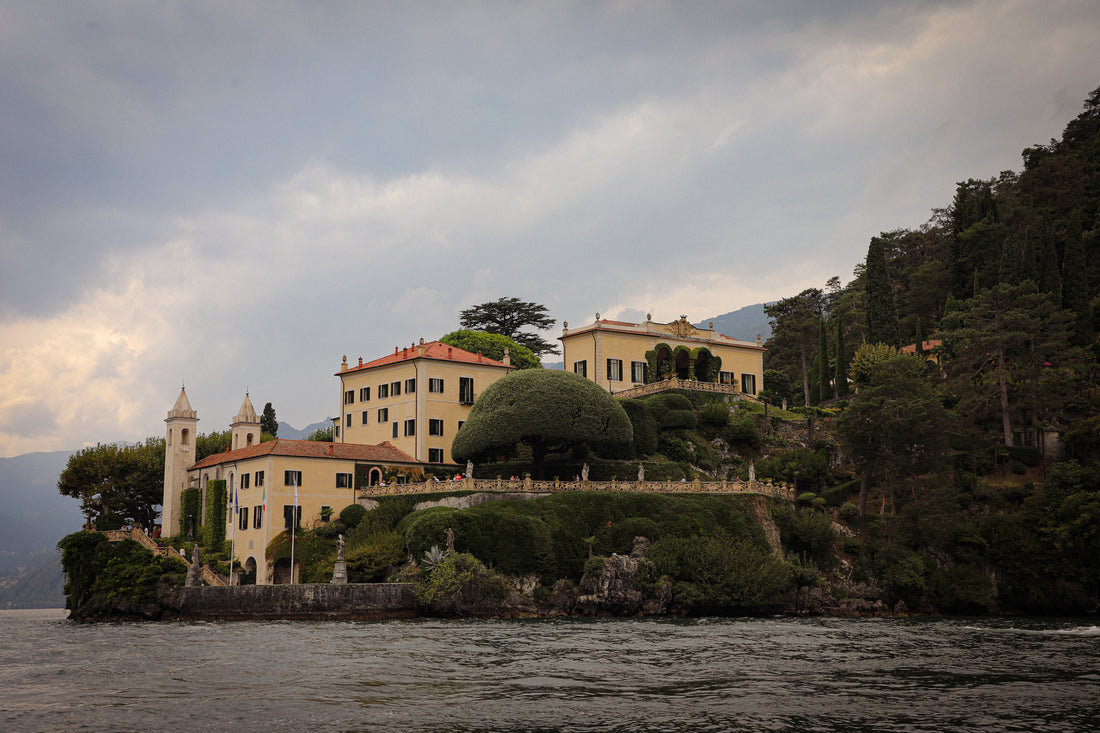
(179, 455)
(245, 426)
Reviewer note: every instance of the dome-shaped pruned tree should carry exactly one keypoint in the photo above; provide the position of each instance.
(548, 410)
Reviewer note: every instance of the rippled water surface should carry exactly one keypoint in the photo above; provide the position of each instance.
(550, 675)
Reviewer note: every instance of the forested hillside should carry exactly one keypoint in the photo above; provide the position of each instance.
(1006, 277)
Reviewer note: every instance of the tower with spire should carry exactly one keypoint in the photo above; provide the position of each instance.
(179, 455)
(246, 426)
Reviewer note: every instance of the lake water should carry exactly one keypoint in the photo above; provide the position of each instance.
(550, 675)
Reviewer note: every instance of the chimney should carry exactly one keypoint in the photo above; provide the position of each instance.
(421, 349)
(332, 449)
(479, 354)
(360, 361)
(448, 352)
(758, 341)
(344, 364)
(507, 357)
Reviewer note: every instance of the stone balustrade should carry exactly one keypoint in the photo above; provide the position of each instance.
(693, 385)
(527, 485)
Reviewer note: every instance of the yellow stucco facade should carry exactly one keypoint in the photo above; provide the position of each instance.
(613, 353)
(415, 398)
(262, 481)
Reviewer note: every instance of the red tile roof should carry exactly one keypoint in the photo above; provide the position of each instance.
(432, 350)
(383, 452)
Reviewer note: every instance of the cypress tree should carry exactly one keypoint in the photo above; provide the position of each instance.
(1050, 280)
(1075, 287)
(841, 360)
(1009, 267)
(882, 318)
(824, 375)
(1027, 261)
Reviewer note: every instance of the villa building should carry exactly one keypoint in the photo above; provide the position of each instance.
(416, 398)
(265, 481)
(619, 356)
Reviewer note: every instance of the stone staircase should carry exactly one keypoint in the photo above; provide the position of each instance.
(209, 575)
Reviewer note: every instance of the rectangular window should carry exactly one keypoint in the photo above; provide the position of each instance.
(461, 423)
(259, 478)
(395, 388)
(347, 420)
(727, 378)
(615, 370)
(383, 391)
(410, 386)
(748, 383)
(242, 518)
(289, 518)
(581, 368)
(349, 397)
(365, 413)
(343, 480)
(336, 431)
(637, 372)
(258, 517)
(435, 455)
(435, 426)
(410, 428)
(395, 430)
(364, 394)
(466, 390)
(245, 479)
(435, 385)
(292, 478)
(383, 414)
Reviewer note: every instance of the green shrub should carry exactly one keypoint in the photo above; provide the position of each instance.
(369, 562)
(720, 572)
(102, 572)
(595, 565)
(619, 536)
(352, 515)
(460, 585)
(849, 512)
(644, 424)
(676, 449)
(715, 414)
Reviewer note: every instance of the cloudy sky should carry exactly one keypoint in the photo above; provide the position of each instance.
(234, 195)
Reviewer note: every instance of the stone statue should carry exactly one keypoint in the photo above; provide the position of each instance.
(752, 472)
(450, 540)
(340, 569)
(469, 469)
(194, 570)
(584, 472)
(641, 472)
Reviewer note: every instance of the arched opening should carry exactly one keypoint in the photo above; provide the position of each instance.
(185, 436)
(236, 441)
(282, 571)
(683, 364)
(248, 440)
(248, 573)
(169, 436)
(374, 477)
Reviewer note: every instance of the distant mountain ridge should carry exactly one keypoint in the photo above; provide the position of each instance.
(742, 324)
(290, 433)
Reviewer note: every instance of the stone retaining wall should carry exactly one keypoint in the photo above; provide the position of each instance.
(311, 601)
